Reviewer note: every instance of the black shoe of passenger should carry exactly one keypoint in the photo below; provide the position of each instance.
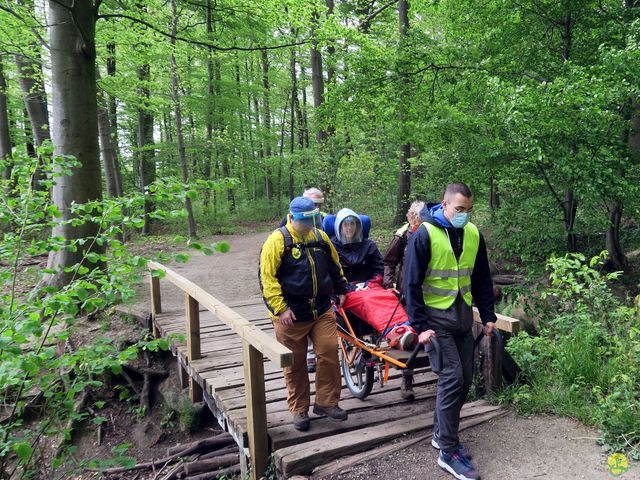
(301, 421)
(406, 388)
(335, 413)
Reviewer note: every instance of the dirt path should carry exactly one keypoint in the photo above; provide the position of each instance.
(511, 447)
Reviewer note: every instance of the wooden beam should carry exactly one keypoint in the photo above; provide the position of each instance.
(192, 315)
(504, 323)
(256, 410)
(156, 303)
(269, 346)
(492, 365)
(193, 327)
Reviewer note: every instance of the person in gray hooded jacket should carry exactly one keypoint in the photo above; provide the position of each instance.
(360, 258)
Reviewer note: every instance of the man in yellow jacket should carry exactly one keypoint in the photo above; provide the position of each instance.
(299, 271)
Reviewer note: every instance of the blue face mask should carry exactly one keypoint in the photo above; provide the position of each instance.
(460, 219)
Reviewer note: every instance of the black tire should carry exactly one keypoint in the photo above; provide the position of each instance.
(359, 376)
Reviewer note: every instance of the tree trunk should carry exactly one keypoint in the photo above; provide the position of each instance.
(108, 152)
(113, 104)
(304, 116)
(404, 167)
(612, 242)
(75, 129)
(331, 70)
(30, 77)
(494, 198)
(146, 155)
(5, 131)
(292, 116)
(28, 134)
(570, 204)
(317, 80)
(613, 246)
(35, 99)
(266, 122)
(175, 90)
(570, 208)
(209, 147)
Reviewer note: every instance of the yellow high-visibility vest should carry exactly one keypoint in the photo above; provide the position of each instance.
(447, 276)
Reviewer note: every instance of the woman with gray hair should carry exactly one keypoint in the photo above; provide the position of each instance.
(392, 277)
(394, 257)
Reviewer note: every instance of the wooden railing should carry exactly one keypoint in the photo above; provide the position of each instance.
(256, 345)
(492, 371)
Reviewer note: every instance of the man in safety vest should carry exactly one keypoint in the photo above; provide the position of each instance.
(299, 270)
(445, 270)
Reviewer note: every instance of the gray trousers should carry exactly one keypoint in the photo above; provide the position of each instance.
(451, 358)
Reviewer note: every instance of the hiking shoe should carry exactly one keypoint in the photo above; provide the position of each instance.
(406, 388)
(334, 413)
(462, 448)
(402, 336)
(458, 465)
(301, 421)
(408, 341)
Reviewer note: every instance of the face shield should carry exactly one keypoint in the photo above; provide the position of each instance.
(350, 230)
(307, 220)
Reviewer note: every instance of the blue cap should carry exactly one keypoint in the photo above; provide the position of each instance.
(303, 209)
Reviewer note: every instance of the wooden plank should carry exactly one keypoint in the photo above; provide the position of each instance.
(269, 347)
(279, 412)
(347, 402)
(507, 324)
(256, 410)
(303, 457)
(284, 435)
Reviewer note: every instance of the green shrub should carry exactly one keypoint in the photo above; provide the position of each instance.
(40, 382)
(585, 362)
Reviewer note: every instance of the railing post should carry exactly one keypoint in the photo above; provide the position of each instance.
(156, 303)
(192, 310)
(256, 409)
(492, 369)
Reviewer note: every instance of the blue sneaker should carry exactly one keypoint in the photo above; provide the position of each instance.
(462, 448)
(458, 465)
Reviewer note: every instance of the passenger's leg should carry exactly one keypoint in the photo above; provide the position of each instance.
(406, 387)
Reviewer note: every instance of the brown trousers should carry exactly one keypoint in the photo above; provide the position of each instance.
(322, 333)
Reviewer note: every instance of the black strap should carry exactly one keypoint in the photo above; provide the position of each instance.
(288, 240)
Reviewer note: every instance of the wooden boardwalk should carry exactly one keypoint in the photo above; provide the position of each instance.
(380, 418)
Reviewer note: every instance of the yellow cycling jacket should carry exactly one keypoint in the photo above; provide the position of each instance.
(300, 276)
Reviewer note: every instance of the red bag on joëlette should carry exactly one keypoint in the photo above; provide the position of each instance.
(375, 305)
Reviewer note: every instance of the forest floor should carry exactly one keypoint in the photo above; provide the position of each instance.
(510, 447)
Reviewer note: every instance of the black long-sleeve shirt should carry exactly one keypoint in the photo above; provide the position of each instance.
(416, 261)
(360, 261)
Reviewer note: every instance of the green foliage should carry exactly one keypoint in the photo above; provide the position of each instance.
(585, 362)
(178, 410)
(34, 366)
(119, 459)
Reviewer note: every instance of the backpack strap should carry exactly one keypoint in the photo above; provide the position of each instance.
(288, 240)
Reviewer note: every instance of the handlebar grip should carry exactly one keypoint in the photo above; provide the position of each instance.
(413, 355)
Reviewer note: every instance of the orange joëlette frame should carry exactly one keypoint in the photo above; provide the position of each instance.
(377, 351)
